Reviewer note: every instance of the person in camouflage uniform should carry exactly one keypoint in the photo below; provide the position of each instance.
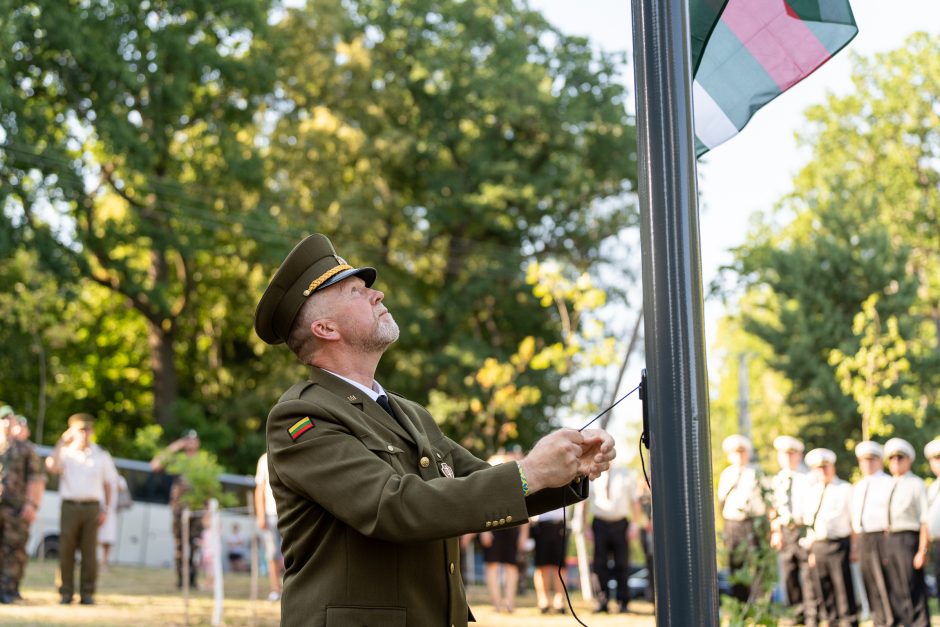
(186, 445)
(21, 485)
(21, 432)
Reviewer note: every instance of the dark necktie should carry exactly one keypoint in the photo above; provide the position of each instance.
(890, 497)
(822, 496)
(861, 512)
(790, 497)
(384, 404)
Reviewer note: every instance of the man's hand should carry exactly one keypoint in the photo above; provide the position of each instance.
(597, 451)
(920, 558)
(102, 515)
(554, 461)
(262, 521)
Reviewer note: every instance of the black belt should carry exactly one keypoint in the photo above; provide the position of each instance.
(77, 502)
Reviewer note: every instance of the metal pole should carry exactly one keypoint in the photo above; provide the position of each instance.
(683, 513)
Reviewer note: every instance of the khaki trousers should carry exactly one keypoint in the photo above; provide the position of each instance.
(78, 530)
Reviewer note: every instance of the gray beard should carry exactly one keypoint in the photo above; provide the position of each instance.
(384, 336)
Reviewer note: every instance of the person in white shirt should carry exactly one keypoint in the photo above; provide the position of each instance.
(612, 503)
(827, 516)
(740, 501)
(786, 524)
(266, 516)
(906, 541)
(932, 452)
(869, 522)
(85, 484)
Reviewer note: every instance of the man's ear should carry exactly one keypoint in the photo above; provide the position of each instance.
(324, 329)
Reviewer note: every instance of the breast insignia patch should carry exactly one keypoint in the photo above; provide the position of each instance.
(300, 427)
(446, 470)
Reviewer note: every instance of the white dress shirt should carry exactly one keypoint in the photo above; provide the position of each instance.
(613, 494)
(907, 503)
(933, 510)
(827, 510)
(261, 478)
(870, 503)
(739, 492)
(789, 486)
(85, 472)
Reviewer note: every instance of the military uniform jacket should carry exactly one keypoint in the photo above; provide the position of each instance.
(370, 510)
(19, 465)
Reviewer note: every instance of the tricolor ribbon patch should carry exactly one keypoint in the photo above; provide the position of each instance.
(300, 427)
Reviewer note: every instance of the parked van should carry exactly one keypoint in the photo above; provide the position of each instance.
(145, 529)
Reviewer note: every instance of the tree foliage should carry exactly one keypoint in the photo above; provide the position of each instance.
(159, 159)
(842, 283)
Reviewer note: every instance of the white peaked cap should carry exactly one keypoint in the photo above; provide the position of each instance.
(932, 449)
(900, 445)
(735, 442)
(787, 443)
(819, 456)
(867, 448)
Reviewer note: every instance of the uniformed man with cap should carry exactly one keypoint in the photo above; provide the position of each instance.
(827, 516)
(932, 452)
(86, 472)
(786, 524)
(869, 522)
(371, 496)
(906, 543)
(188, 445)
(21, 486)
(741, 502)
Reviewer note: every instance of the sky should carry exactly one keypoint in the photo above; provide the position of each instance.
(753, 170)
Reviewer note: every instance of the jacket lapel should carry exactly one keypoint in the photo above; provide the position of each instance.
(361, 401)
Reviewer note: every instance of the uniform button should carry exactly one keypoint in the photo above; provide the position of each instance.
(425, 462)
(488, 524)
(502, 521)
(451, 568)
(508, 518)
(391, 448)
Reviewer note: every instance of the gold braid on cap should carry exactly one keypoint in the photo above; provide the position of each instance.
(320, 280)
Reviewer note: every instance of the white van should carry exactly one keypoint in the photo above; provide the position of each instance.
(145, 529)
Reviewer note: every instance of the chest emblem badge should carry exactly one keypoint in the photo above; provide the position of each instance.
(447, 470)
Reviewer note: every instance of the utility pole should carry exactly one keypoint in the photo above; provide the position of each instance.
(744, 416)
(683, 511)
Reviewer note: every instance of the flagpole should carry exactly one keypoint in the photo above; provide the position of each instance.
(683, 511)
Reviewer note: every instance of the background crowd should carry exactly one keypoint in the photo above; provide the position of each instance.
(819, 524)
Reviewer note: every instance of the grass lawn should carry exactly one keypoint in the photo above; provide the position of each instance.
(144, 597)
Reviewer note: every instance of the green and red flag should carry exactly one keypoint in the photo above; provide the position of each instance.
(745, 53)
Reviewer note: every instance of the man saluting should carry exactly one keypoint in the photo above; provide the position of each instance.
(371, 496)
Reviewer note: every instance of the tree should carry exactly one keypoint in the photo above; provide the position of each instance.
(861, 224)
(122, 122)
(450, 144)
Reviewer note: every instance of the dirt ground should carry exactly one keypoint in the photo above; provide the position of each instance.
(147, 597)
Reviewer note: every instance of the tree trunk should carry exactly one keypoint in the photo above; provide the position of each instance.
(165, 379)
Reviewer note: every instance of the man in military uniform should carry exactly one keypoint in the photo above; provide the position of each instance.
(371, 496)
(87, 473)
(827, 516)
(869, 522)
(187, 445)
(907, 537)
(21, 485)
(741, 502)
(786, 524)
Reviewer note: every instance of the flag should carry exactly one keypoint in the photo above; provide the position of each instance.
(745, 53)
